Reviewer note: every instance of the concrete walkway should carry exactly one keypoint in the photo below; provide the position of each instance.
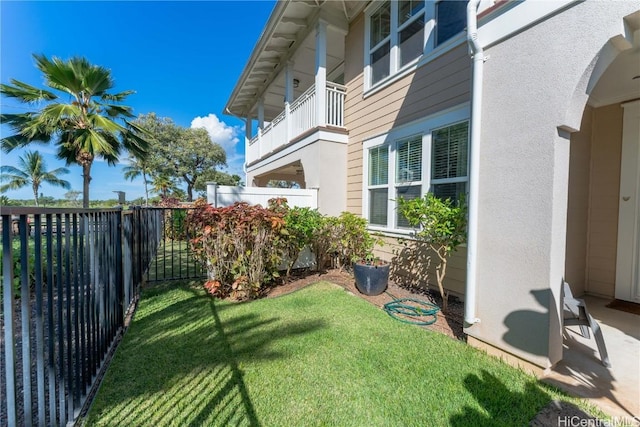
(616, 389)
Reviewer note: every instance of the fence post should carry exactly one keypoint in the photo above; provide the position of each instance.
(9, 319)
(119, 269)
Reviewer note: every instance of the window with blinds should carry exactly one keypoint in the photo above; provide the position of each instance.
(378, 184)
(407, 162)
(449, 160)
(408, 172)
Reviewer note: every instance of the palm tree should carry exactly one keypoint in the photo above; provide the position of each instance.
(33, 170)
(163, 185)
(85, 127)
(138, 167)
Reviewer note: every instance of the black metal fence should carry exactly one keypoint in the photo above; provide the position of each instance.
(69, 277)
(175, 259)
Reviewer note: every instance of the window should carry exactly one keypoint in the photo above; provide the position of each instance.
(449, 162)
(411, 30)
(407, 164)
(408, 172)
(399, 32)
(378, 184)
(450, 19)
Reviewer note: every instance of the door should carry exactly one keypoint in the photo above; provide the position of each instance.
(628, 255)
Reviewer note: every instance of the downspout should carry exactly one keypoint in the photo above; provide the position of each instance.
(477, 54)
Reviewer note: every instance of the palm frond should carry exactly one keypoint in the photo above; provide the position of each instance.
(11, 171)
(56, 112)
(25, 92)
(104, 123)
(117, 97)
(96, 80)
(52, 178)
(59, 74)
(10, 143)
(118, 110)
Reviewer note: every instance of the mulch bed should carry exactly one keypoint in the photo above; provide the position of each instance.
(450, 323)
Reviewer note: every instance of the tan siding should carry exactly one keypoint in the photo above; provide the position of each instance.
(604, 179)
(443, 83)
(415, 266)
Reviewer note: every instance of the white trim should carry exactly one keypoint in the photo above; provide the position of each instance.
(596, 103)
(318, 135)
(627, 285)
(450, 115)
(517, 18)
(396, 71)
(424, 127)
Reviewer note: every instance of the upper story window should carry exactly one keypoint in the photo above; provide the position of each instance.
(399, 32)
(450, 19)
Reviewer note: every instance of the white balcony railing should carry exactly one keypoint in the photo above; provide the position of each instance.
(300, 116)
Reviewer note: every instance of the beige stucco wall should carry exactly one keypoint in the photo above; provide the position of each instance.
(440, 84)
(325, 165)
(606, 149)
(533, 92)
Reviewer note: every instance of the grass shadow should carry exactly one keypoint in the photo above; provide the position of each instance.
(500, 406)
(179, 363)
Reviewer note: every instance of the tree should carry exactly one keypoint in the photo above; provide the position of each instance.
(83, 118)
(32, 171)
(138, 167)
(163, 185)
(220, 178)
(179, 152)
(72, 196)
(442, 224)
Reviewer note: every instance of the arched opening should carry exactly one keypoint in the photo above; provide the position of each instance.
(603, 219)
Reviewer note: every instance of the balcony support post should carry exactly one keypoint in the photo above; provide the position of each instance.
(288, 98)
(260, 114)
(321, 73)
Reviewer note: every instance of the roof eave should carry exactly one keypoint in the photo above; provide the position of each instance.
(267, 32)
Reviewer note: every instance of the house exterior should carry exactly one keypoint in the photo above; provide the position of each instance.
(532, 108)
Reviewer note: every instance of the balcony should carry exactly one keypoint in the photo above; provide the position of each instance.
(297, 119)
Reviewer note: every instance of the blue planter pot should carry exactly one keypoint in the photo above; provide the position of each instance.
(371, 279)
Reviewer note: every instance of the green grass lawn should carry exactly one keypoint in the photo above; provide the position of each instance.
(319, 356)
(175, 260)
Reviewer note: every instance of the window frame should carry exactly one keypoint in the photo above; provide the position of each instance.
(429, 53)
(425, 128)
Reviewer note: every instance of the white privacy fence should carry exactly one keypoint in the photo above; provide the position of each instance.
(225, 195)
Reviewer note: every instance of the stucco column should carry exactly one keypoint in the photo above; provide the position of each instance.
(321, 72)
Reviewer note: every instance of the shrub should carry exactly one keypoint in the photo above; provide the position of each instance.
(239, 245)
(300, 225)
(345, 238)
(442, 225)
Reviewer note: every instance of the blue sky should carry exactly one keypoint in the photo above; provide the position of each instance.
(181, 58)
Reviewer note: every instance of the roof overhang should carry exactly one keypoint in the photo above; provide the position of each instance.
(289, 36)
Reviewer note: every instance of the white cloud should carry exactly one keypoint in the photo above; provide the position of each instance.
(228, 137)
(219, 131)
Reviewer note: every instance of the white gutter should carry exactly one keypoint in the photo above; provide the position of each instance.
(474, 175)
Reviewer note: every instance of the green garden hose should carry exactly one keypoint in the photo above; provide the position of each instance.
(413, 311)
